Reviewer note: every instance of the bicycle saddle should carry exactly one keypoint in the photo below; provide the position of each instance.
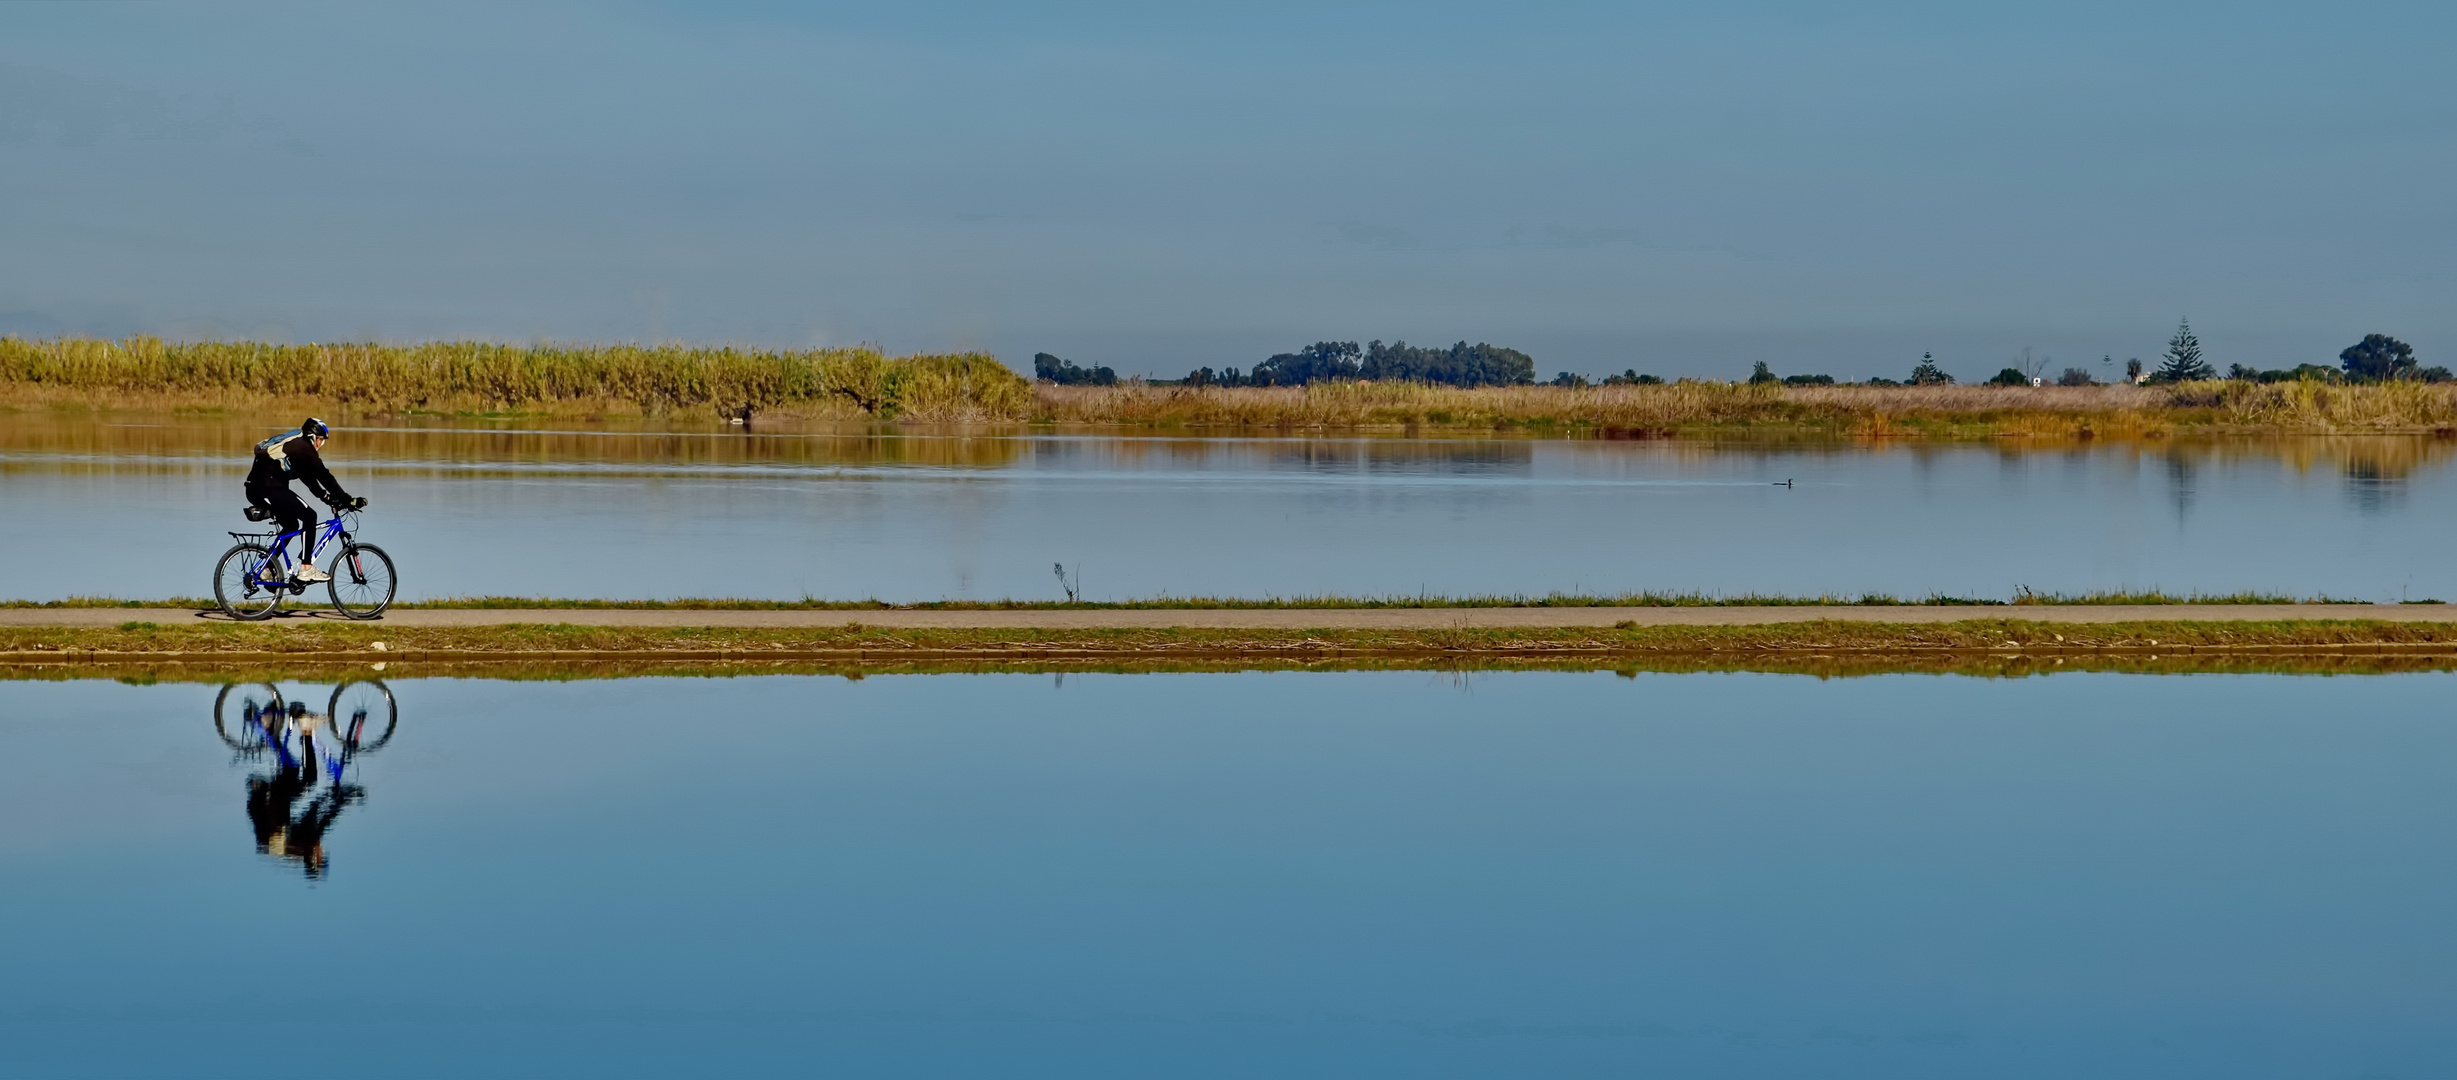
(258, 513)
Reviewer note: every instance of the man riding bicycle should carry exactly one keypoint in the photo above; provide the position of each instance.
(297, 455)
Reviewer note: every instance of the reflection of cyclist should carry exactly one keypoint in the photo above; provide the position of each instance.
(283, 828)
(297, 455)
(299, 836)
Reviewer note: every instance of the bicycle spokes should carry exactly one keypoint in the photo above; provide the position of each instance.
(247, 581)
(362, 581)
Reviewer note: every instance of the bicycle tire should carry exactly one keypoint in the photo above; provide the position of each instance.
(368, 724)
(234, 586)
(249, 739)
(365, 573)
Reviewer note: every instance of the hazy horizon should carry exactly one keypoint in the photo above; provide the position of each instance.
(1682, 189)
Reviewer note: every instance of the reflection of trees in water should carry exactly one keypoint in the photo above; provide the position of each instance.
(1328, 455)
(2398, 455)
(304, 786)
(2374, 488)
(2375, 469)
(2373, 465)
(2183, 474)
(1440, 457)
(2374, 457)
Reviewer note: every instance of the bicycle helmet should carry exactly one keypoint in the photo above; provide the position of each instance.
(314, 428)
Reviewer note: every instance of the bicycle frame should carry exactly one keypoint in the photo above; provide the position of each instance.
(333, 530)
(277, 732)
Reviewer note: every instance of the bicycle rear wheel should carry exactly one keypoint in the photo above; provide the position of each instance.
(236, 587)
(362, 582)
(238, 712)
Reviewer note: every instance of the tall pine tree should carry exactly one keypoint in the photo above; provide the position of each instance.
(2183, 362)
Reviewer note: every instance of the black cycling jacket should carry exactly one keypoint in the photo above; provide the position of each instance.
(293, 456)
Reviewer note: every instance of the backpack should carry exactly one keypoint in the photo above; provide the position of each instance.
(272, 447)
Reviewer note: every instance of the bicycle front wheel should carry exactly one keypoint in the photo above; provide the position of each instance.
(362, 582)
(236, 585)
(363, 714)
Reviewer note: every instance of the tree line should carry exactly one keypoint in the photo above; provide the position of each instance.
(1462, 364)
(1054, 369)
(2377, 358)
(1480, 364)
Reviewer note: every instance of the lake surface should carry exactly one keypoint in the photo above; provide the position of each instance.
(97, 508)
(1284, 874)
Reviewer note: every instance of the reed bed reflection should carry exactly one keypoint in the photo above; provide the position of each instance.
(138, 438)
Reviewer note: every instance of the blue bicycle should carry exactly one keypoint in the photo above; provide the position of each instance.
(254, 575)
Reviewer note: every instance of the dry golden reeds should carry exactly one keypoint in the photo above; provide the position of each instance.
(864, 383)
(2052, 411)
(2318, 406)
(463, 376)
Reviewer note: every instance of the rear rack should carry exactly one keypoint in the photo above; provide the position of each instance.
(264, 537)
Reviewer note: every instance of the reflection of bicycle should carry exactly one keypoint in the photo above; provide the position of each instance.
(362, 714)
(360, 717)
(305, 747)
(254, 574)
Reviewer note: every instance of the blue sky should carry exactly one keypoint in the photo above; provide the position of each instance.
(1678, 188)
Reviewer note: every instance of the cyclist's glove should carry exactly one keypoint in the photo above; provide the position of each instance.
(359, 503)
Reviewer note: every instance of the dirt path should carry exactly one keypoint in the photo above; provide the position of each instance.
(1322, 619)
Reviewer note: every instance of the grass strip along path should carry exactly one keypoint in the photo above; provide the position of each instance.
(1188, 603)
(1167, 619)
(191, 647)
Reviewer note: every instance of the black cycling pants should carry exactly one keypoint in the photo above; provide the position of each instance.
(290, 512)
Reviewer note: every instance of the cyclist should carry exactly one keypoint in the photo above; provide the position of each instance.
(297, 455)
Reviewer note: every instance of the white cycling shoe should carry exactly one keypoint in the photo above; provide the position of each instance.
(308, 572)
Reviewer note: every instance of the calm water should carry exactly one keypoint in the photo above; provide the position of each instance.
(134, 510)
(1298, 874)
